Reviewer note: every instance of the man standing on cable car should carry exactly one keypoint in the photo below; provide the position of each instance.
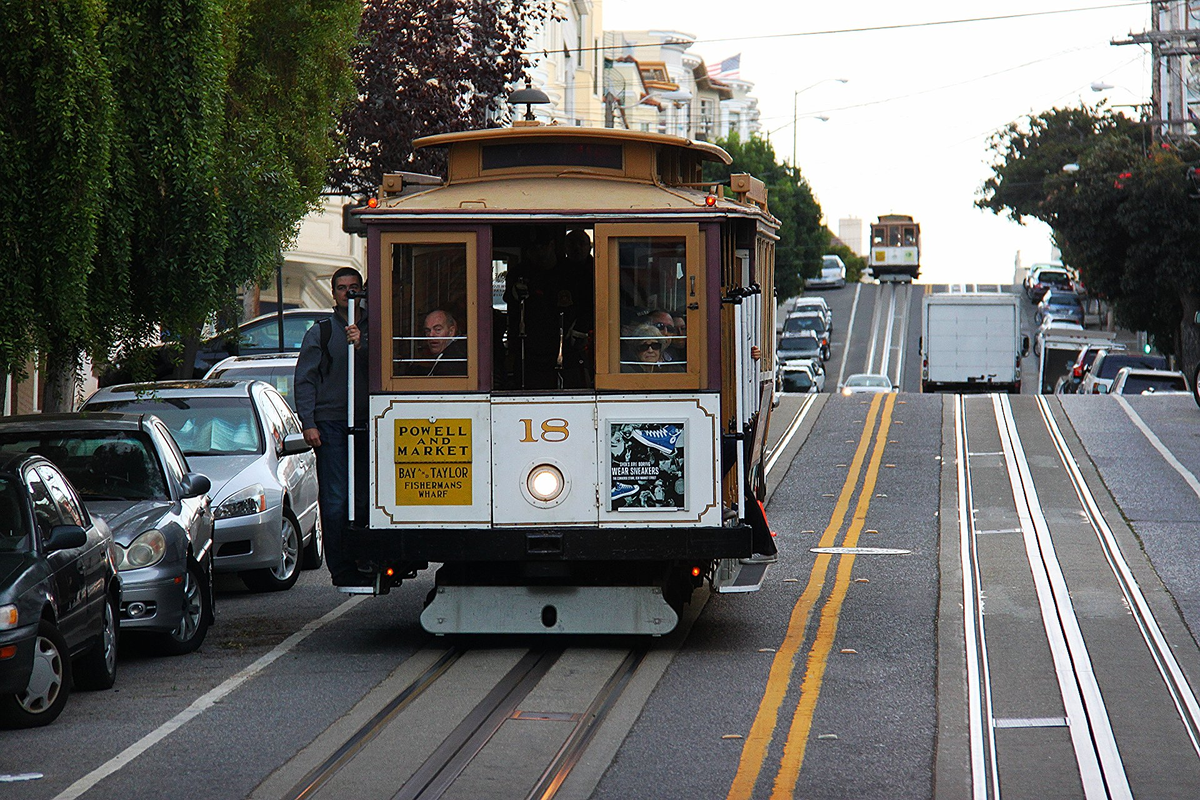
(322, 374)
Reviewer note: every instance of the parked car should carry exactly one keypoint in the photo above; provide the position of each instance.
(1045, 277)
(130, 473)
(1059, 304)
(258, 335)
(800, 375)
(813, 304)
(806, 321)
(1129, 380)
(832, 274)
(1083, 363)
(277, 369)
(59, 593)
(246, 439)
(1099, 378)
(866, 383)
(800, 344)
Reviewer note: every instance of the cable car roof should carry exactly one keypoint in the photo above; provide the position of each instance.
(707, 151)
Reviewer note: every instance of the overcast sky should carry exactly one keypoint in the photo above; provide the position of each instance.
(908, 133)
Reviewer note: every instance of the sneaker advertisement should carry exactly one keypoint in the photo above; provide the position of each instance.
(646, 466)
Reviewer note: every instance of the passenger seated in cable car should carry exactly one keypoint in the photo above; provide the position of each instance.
(643, 346)
(445, 347)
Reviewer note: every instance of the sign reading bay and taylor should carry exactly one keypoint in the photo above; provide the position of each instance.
(433, 462)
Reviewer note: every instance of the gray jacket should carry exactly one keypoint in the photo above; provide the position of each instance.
(320, 385)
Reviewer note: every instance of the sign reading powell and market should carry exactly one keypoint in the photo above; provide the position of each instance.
(433, 462)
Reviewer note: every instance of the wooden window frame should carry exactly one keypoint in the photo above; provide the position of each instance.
(433, 383)
(608, 307)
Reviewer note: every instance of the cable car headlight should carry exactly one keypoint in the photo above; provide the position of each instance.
(545, 482)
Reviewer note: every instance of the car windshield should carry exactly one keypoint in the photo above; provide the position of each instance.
(14, 526)
(868, 380)
(798, 346)
(1110, 365)
(281, 377)
(1138, 384)
(806, 323)
(202, 426)
(1053, 277)
(102, 465)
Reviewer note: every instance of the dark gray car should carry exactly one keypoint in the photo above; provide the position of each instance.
(130, 473)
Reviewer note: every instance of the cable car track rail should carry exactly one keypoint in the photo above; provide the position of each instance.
(437, 773)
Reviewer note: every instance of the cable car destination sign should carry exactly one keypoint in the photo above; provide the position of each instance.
(433, 462)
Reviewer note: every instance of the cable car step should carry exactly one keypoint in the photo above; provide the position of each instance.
(549, 609)
(735, 576)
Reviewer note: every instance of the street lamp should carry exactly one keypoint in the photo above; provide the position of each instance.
(799, 92)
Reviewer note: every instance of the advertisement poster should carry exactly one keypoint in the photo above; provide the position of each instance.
(646, 466)
(433, 462)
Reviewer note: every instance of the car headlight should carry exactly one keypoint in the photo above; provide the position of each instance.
(846, 391)
(545, 482)
(8, 617)
(251, 500)
(145, 551)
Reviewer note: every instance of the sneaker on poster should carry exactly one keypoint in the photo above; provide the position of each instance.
(661, 439)
(620, 490)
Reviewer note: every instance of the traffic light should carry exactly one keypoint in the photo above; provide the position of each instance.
(351, 221)
(1193, 177)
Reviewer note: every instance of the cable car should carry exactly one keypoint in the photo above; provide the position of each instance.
(895, 248)
(571, 368)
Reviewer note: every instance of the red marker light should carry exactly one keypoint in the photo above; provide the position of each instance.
(390, 572)
(373, 202)
(710, 201)
(695, 572)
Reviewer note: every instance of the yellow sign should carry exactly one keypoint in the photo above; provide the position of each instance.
(433, 462)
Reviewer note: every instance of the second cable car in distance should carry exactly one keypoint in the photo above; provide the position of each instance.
(571, 358)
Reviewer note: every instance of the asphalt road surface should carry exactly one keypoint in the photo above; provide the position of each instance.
(975, 597)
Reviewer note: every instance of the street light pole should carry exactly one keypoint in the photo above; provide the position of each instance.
(795, 107)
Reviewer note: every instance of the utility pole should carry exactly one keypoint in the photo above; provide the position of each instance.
(1173, 44)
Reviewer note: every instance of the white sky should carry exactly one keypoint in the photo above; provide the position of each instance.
(908, 133)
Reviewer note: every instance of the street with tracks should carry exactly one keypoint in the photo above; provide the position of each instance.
(976, 596)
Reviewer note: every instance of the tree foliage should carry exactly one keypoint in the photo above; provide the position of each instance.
(803, 239)
(426, 67)
(55, 134)
(1123, 218)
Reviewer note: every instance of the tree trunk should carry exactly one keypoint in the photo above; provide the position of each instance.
(62, 368)
(1189, 333)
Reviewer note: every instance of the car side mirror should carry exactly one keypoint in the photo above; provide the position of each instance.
(293, 444)
(1024, 346)
(194, 484)
(65, 537)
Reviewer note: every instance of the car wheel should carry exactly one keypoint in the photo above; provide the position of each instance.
(1195, 388)
(193, 625)
(97, 668)
(43, 698)
(286, 571)
(314, 551)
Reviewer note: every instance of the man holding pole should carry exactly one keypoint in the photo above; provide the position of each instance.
(322, 394)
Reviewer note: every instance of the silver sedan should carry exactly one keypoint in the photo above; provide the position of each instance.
(246, 439)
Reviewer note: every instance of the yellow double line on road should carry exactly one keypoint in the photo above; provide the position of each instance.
(762, 732)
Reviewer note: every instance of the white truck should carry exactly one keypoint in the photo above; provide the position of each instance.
(972, 342)
(1058, 350)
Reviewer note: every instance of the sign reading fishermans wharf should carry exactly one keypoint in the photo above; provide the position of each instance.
(433, 462)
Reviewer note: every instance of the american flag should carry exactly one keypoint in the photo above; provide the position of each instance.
(728, 69)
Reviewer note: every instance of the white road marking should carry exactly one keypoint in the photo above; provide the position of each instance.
(200, 705)
(789, 433)
(849, 330)
(1183, 471)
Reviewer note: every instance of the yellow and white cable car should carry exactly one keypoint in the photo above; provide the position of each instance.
(571, 366)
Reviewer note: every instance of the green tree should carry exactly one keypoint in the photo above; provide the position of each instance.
(227, 111)
(1123, 218)
(54, 150)
(802, 237)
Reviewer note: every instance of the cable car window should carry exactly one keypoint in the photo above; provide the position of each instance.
(653, 296)
(428, 316)
(910, 237)
(581, 154)
(894, 237)
(429, 323)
